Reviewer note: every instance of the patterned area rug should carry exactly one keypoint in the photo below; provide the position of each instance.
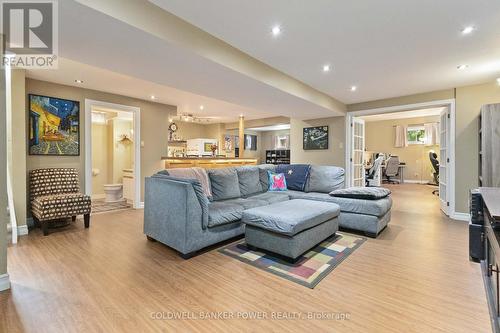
(312, 266)
(99, 205)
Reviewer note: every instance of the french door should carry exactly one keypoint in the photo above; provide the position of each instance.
(444, 159)
(357, 154)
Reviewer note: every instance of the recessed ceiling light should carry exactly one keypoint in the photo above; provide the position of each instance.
(354, 88)
(462, 67)
(276, 30)
(326, 68)
(153, 97)
(467, 30)
(78, 81)
(201, 107)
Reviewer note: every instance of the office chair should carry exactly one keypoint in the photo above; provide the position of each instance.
(435, 165)
(374, 175)
(392, 169)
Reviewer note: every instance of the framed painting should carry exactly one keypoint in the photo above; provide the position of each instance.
(250, 142)
(315, 138)
(54, 126)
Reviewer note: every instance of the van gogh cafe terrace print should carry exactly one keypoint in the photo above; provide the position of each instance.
(54, 126)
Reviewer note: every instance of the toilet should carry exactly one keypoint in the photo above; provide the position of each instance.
(113, 192)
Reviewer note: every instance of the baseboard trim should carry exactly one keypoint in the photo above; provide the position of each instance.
(22, 230)
(460, 216)
(140, 205)
(4, 282)
(411, 181)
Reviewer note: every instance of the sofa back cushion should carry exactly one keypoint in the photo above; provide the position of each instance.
(264, 176)
(325, 179)
(224, 183)
(248, 178)
(296, 175)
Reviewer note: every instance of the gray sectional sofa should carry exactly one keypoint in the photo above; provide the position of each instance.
(178, 213)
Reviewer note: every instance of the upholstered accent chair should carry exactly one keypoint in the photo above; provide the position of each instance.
(55, 194)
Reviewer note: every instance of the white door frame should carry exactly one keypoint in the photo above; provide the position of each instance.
(450, 103)
(89, 103)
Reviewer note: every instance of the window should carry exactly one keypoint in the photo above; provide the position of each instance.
(415, 135)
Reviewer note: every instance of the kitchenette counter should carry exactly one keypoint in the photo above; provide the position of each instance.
(206, 162)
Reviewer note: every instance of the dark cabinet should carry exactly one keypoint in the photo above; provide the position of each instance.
(491, 263)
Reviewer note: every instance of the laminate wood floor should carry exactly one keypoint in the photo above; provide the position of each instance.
(416, 277)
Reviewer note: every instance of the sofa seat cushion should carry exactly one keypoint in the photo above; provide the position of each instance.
(290, 217)
(50, 207)
(248, 179)
(247, 203)
(224, 183)
(358, 206)
(272, 197)
(222, 212)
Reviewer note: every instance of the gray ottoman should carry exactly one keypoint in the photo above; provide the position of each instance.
(292, 227)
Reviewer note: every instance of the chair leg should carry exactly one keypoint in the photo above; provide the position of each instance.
(73, 218)
(36, 222)
(45, 227)
(86, 220)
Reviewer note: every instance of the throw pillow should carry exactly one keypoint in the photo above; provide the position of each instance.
(367, 193)
(277, 182)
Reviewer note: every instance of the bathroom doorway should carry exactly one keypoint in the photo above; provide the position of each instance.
(112, 155)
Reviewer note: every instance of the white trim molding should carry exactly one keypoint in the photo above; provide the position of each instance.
(140, 205)
(89, 103)
(22, 230)
(460, 216)
(4, 282)
(412, 181)
(450, 103)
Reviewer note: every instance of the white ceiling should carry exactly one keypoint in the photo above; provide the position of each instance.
(404, 115)
(113, 56)
(386, 48)
(105, 80)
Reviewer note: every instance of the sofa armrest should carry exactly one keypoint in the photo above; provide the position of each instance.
(171, 211)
